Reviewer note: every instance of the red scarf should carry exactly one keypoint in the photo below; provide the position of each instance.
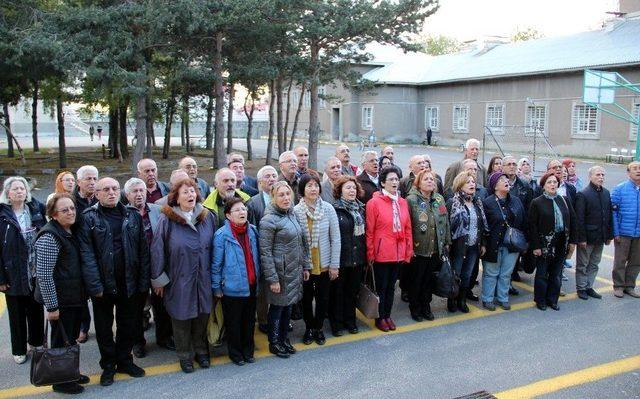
(241, 234)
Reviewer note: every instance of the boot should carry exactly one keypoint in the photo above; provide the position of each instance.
(451, 305)
(462, 300)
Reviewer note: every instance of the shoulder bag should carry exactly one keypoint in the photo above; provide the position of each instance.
(447, 283)
(513, 239)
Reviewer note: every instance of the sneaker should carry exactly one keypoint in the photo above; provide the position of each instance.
(489, 306)
(505, 305)
(632, 292)
(618, 293)
(582, 294)
(132, 370)
(20, 359)
(562, 293)
(593, 294)
(70, 388)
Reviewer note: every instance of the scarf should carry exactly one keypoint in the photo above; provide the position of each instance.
(241, 234)
(397, 227)
(305, 212)
(459, 216)
(354, 208)
(559, 222)
(572, 179)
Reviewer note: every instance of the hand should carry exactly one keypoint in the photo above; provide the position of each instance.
(537, 252)
(617, 239)
(219, 295)
(275, 287)
(583, 244)
(333, 274)
(572, 247)
(53, 315)
(159, 291)
(98, 295)
(483, 249)
(305, 275)
(608, 242)
(4, 287)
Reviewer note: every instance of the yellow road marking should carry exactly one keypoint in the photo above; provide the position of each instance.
(569, 380)
(3, 305)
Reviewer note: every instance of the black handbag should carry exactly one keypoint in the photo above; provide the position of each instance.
(513, 239)
(55, 365)
(447, 283)
(367, 300)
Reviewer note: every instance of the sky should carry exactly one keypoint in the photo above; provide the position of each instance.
(473, 19)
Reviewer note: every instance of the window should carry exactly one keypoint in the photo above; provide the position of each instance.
(307, 99)
(460, 118)
(296, 99)
(367, 117)
(584, 119)
(321, 102)
(432, 118)
(495, 118)
(536, 119)
(635, 111)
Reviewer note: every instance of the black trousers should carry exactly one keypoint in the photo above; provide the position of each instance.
(386, 275)
(279, 317)
(118, 352)
(70, 319)
(548, 280)
(239, 320)
(404, 277)
(423, 282)
(317, 287)
(342, 298)
(86, 318)
(26, 323)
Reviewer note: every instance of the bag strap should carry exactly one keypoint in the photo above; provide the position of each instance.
(502, 213)
(373, 278)
(45, 343)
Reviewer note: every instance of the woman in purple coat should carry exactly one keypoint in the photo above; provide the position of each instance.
(181, 270)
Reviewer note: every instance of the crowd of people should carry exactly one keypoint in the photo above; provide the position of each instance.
(293, 243)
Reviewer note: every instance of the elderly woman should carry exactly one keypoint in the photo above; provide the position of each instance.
(65, 183)
(551, 235)
(468, 224)
(285, 260)
(431, 240)
(319, 224)
(21, 216)
(59, 277)
(353, 255)
(389, 241)
(236, 262)
(525, 172)
(501, 209)
(181, 270)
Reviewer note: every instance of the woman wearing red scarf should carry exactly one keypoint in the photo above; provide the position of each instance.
(234, 272)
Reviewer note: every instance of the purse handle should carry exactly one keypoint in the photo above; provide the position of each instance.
(373, 278)
(45, 344)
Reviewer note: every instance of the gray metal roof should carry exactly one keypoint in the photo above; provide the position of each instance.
(618, 44)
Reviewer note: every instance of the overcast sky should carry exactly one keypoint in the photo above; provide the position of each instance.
(471, 19)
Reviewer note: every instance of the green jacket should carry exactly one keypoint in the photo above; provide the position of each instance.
(422, 210)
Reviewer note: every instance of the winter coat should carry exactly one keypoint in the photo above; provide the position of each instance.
(328, 235)
(181, 261)
(523, 191)
(368, 187)
(284, 254)
(455, 168)
(14, 255)
(353, 249)
(625, 200)
(204, 187)
(383, 244)
(513, 211)
(594, 220)
(327, 192)
(542, 222)
(228, 269)
(435, 207)
(96, 250)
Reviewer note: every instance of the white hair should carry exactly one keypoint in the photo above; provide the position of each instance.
(84, 169)
(286, 154)
(326, 164)
(466, 161)
(220, 172)
(594, 168)
(233, 157)
(471, 141)
(134, 181)
(4, 197)
(265, 169)
(367, 153)
(174, 173)
(145, 160)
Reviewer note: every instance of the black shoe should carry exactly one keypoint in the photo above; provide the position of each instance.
(83, 379)
(288, 347)
(278, 350)
(554, 306)
(203, 361)
(132, 370)
(472, 297)
(541, 306)
(106, 378)
(319, 337)
(427, 313)
(186, 366)
(513, 291)
(505, 305)
(250, 359)
(417, 317)
(593, 294)
(582, 294)
(489, 306)
(516, 277)
(70, 388)
(170, 344)
(139, 351)
(353, 330)
(462, 300)
(337, 332)
(263, 328)
(404, 296)
(238, 362)
(451, 305)
(307, 338)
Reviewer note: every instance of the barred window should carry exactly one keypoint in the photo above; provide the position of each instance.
(495, 117)
(460, 118)
(584, 119)
(432, 118)
(367, 117)
(635, 111)
(536, 119)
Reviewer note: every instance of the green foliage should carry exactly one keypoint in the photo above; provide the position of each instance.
(440, 45)
(527, 34)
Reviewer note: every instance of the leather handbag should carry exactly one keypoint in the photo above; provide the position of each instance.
(368, 301)
(447, 283)
(55, 365)
(513, 239)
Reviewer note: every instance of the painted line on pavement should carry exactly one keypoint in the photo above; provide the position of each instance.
(3, 305)
(573, 379)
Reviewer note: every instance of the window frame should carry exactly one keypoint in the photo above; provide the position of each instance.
(577, 120)
(635, 110)
(363, 121)
(495, 129)
(428, 118)
(527, 130)
(455, 126)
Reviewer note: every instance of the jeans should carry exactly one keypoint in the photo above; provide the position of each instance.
(587, 261)
(498, 275)
(279, 318)
(463, 260)
(386, 275)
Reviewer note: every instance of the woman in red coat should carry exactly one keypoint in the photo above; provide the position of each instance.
(389, 241)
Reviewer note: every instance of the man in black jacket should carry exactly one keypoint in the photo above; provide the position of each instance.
(369, 178)
(595, 229)
(115, 267)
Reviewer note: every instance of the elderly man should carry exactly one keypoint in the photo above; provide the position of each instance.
(625, 200)
(246, 180)
(566, 190)
(417, 164)
(388, 152)
(238, 169)
(115, 264)
(343, 153)
(471, 151)
(190, 166)
(136, 193)
(302, 155)
(176, 176)
(469, 165)
(148, 172)
(225, 188)
(333, 171)
(369, 177)
(595, 229)
(288, 163)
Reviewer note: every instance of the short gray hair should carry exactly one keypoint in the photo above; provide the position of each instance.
(86, 168)
(593, 169)
(264, 170)
(471, 141)
(4, 197)
(233, 157)
(366, 153)
(285, 154)
(134, 181)
(326, 164)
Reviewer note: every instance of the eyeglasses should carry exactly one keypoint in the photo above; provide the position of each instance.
(243, 209)
(67, 211)
(191, 166)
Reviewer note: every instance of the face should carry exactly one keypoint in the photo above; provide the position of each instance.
(525, 167)
(137, 195)
(472, 151)
(268, 180)
(289, 165)
(370, 165)
(87, 185)
(187, 197)
(427, 165)
(470, 186)
(108, 192)
(417, 164)
(502, 186)
(392, 183)
(17, 192)
(428, 183)
(148, 172)
(238, 214)
(509, 166)
(634, 172)
(497, 166)
(238, 170)
(349, 191)
(68, 182)
(303, 158)
(565, 173)
(190, 166)
(597, 177)
(470, 166)
(571, 168)
(388, 152)
(283, 198)
(226, 184)
(386, 162)
(311, 190)
(334, 169)
(551, 185)
(556, 167)
(65, 212)
(343, 154)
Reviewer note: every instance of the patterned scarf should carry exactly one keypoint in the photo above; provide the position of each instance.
(572, 179)
(459, 216)
(559, 222)
(397, 227)
(304, 212)
(354, 208)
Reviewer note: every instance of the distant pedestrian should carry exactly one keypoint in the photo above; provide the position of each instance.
(99, 129)
(429, 135)
(91, 132)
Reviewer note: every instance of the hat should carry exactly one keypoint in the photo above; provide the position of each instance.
(493, 180)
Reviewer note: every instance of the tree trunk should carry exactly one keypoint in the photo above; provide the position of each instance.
(208, 129)
(7, 128)
(314, 126)
(288, 109)
(297, 117)
(62, 148)
(185, 116)
(218, 152)
(272, 121)
(10, 137)
(124, 144)
(114, 132)
(249, 122)
(141, 131)
(282, 146)
(168, 123)
(148, 121)
(34, 116)
(232, 93)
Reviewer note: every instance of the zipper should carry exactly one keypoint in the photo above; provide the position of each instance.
(6, 234)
